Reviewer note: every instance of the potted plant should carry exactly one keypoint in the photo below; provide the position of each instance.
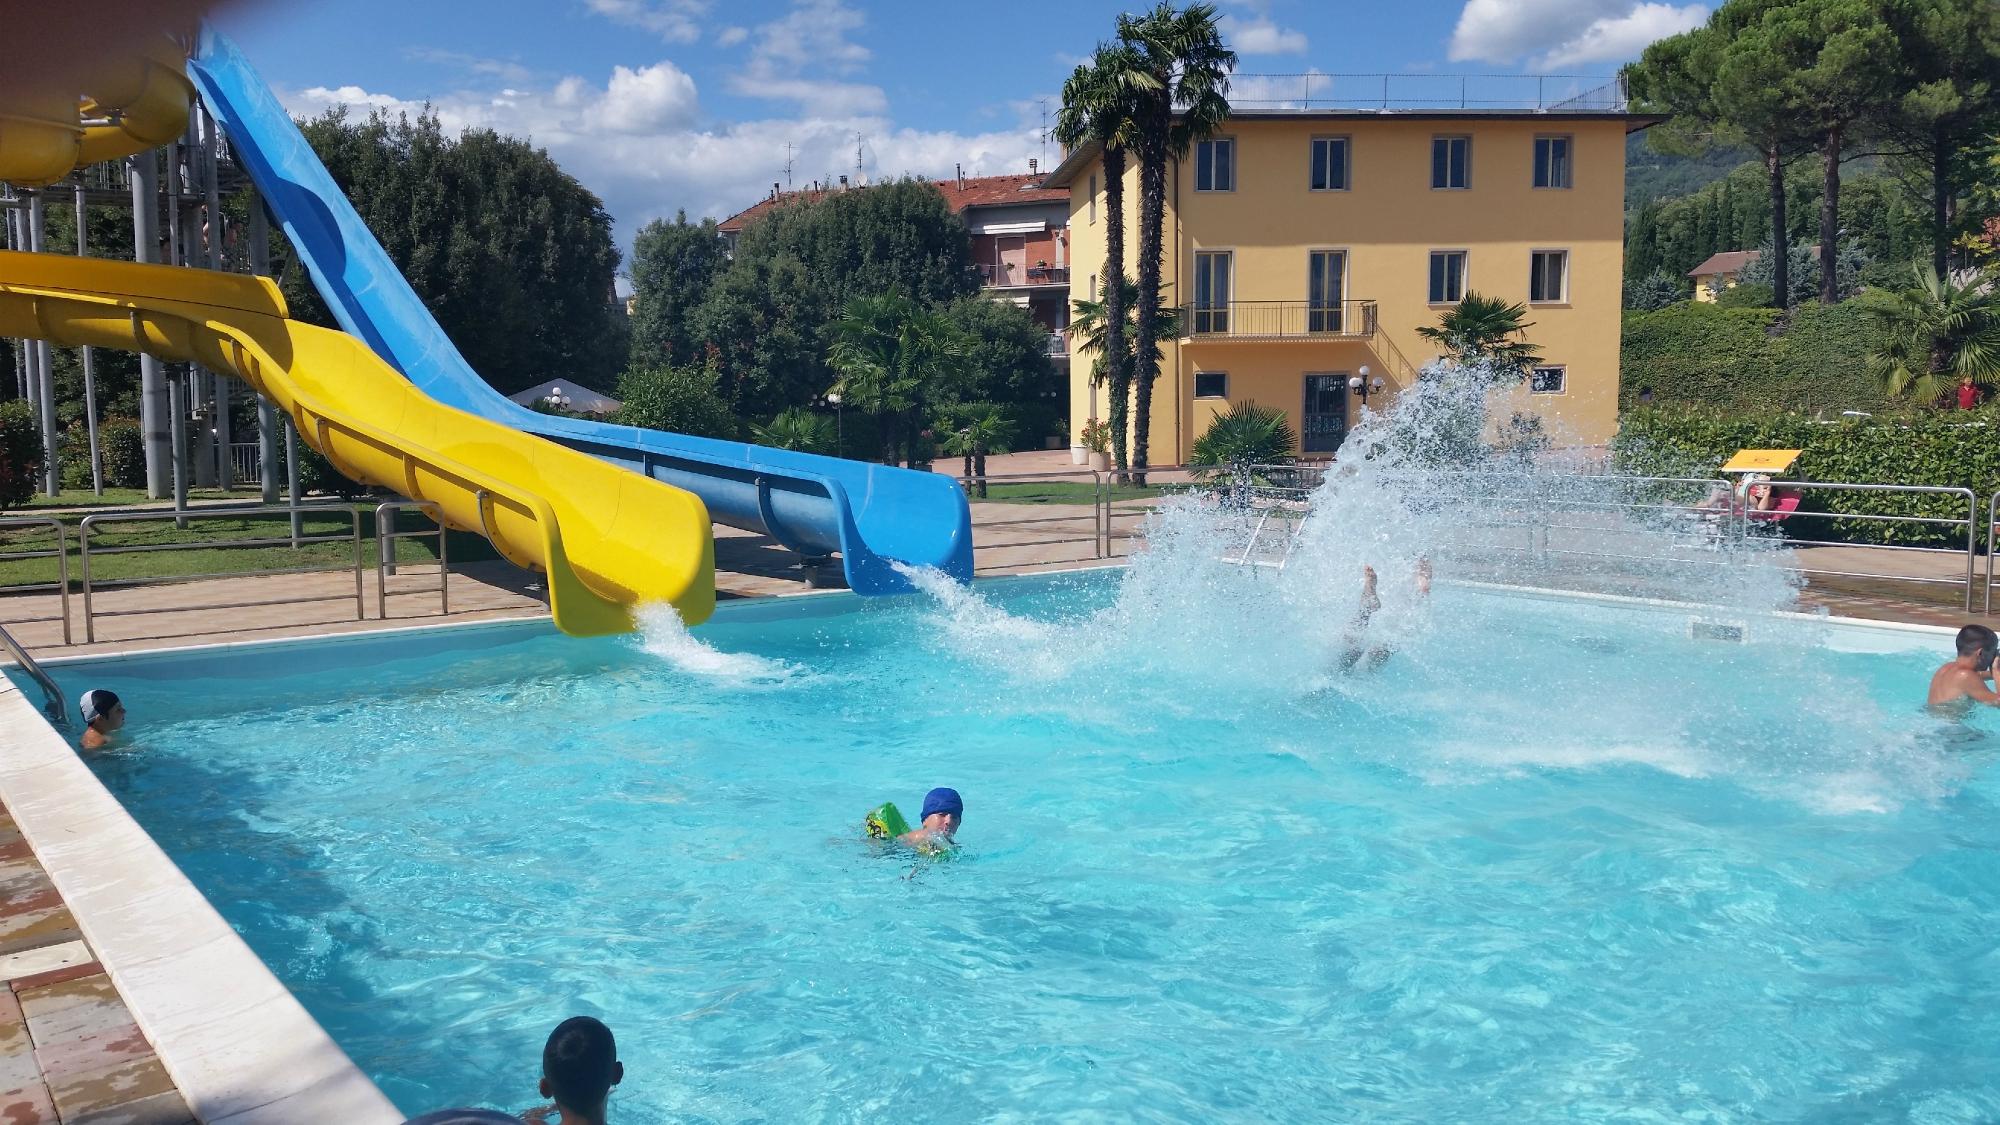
(1096, 439)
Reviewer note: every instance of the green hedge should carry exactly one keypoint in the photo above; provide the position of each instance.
(1813, 360)
(1953, 450)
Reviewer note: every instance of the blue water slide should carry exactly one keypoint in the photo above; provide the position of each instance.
(871, 515)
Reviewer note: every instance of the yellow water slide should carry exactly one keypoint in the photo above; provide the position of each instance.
(608, 539)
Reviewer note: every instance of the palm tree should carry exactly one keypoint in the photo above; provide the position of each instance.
(1248, 435)
(1098, 103)
(1186, 101)
(1935, 333)
(1092, 326)
(974, 433)
(799, 429)
(1486, 330)
(893, 356)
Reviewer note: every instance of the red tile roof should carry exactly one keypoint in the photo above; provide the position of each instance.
(976, 191)
(1729, 261)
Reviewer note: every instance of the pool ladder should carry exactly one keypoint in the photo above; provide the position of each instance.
(52, 699)
(1284, 525)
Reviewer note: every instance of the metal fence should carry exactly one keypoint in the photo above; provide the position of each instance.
(386, 536)
(92, 587)
(246, 464)
(58, 550)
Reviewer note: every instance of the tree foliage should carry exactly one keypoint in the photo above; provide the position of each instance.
(1007, 362)
(511, 254)
(896, 359)
(672, 267)
(1655, 291)
(798, 429)
(1805, 274)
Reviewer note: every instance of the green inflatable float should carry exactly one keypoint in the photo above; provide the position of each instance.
(885, 822)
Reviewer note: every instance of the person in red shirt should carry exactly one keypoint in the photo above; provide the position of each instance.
(1968, 395)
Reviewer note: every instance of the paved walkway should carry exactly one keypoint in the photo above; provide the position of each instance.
(70, 1051)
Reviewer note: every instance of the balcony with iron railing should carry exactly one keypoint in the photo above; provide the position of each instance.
(1278, 320)
(1057, 346)
(1010, 275)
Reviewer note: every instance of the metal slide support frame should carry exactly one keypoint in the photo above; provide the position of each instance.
(89, 358)
(153, 404)
(45, 369)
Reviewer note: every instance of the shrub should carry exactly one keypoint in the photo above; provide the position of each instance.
(798, 429)
(1252, 434)
(681, 400)
(1955, 450)
(1813, 359)
(124, 447)
(1747, 295)
(20, 454)
(317, 474)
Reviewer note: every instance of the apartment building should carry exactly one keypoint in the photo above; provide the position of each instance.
(1306, 247)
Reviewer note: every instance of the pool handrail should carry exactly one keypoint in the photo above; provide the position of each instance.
(52, 697)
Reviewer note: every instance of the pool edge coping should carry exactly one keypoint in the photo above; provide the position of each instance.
(239, 1045)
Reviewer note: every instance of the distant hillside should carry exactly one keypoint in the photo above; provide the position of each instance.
(1651, 175)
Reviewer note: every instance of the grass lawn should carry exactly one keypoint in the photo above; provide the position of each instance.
(220, 559)
(1070, 492)
(131, 498)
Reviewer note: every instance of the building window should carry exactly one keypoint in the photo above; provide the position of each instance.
(1211, 292)
(1215, 165)
(1548, 276)
(1451, 163)
(1447, 277)
(1093, 197)
(1211, 384)
(1552, 165)
(1329, 164)
(1326, 285)
(1091, 294)
(1546, 381)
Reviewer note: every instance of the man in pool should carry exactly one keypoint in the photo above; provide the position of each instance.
(943, 812)
(103, 715)
(1964, 680)
(579, 1067)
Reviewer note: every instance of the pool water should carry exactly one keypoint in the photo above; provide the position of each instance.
(1551, 861)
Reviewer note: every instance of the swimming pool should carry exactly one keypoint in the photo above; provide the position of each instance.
(1555, 860)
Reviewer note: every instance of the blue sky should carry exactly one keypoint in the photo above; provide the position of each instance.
(659, 105)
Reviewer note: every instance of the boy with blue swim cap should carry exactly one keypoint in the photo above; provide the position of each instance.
(943, 812)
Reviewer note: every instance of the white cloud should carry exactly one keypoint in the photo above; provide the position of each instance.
(637, 142)
(676, 21)
(805, 57)
(471, 64)
(731, 36)
(1258, 35)
(1561, 33)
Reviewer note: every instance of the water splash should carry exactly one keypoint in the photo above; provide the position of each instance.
(1433, 483)
(664, 635)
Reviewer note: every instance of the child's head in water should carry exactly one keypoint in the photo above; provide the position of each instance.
(579, 1067)
(103, 715)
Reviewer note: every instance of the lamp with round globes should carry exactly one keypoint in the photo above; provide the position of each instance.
(1363, 385)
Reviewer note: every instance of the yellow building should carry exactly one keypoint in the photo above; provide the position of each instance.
(1305, 248)
(1718, 273)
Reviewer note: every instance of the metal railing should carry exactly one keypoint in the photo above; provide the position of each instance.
(1951, 523)
(1057, 345)
(86, 552)
(386, 535)
(1010, 275)
(52, 698)
(1992, 524)
(1279, 320)
(1542, 93)
(1046, 531)
(60, 553)
(246, 463)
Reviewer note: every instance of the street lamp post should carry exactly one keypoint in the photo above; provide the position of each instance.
(557, 399)
(839, 424)
(1364, 386)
